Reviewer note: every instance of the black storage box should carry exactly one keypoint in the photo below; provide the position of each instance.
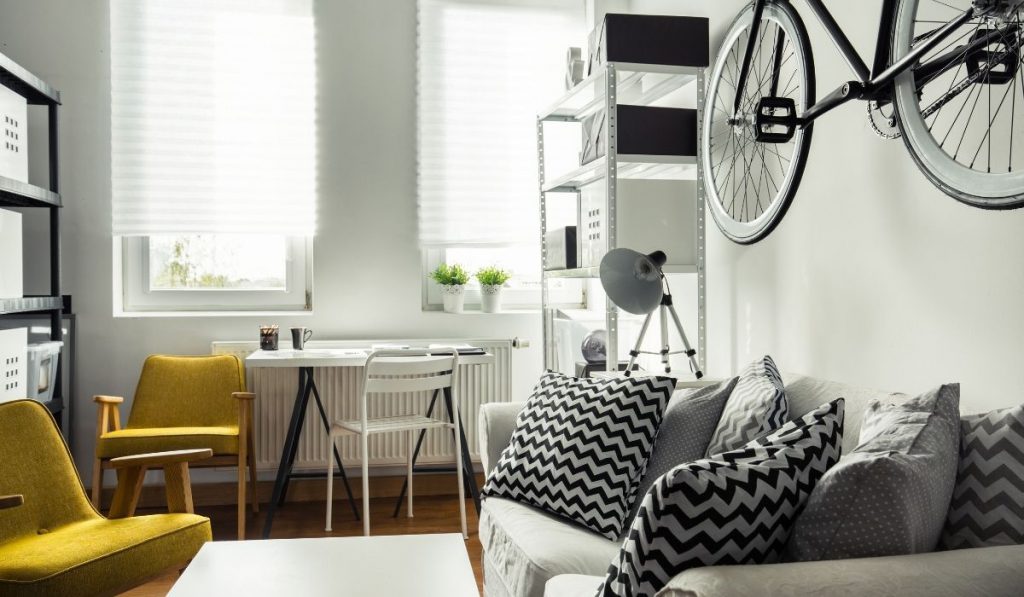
(643, 130)
(561, 248)
(650, 39)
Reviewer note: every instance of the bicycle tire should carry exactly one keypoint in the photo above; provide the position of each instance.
(746, 233)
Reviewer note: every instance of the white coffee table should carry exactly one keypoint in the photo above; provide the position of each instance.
(421, 565)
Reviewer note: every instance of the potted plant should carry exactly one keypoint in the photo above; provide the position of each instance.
(452, 279)
(492, 280)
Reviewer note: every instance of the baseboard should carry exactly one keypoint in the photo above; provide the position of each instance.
(300, 490)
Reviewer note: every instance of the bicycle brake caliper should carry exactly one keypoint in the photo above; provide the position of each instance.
(775, 120)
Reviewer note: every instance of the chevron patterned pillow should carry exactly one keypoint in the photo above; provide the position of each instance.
(580, 447)
(988, 501)
(757, 406)
(733, 508)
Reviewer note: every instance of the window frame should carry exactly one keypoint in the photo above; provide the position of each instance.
(135, 297)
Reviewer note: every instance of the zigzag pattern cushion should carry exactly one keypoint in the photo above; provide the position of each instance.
(580, 447)
(988, 501)
(757, 406)
(734, 508)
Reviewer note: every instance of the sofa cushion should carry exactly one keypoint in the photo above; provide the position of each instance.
(690, 419)
(756, 406)
(734, 508)
(891, 495)
(99, 556)
(988, 501)
(573, 585)
(804, 394)
(580, 447)
(524, 547)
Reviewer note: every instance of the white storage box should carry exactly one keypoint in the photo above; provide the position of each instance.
(10, 254)
(652, 215)
(12, 364)
(41, 370)
(14, 129)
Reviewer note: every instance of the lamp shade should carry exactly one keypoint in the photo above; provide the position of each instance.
(626, 276)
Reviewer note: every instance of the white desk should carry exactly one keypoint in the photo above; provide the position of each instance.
(421, 565)
(333, 357)
(305, 361)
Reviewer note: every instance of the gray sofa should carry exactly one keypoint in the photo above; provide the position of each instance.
(527, 553)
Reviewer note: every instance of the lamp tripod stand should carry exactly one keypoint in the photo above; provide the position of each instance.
(667, 309)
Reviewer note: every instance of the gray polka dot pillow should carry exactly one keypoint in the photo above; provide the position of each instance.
(890, 496)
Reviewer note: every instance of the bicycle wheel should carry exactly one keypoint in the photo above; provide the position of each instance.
(957, 108)
(751, 183)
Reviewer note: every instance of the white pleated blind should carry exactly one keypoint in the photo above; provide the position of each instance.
(484, 69)
(213, 117)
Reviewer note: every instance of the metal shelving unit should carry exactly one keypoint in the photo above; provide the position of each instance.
(612, 85)
(14, 193)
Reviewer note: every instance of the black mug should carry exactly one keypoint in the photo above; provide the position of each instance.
(300, 336)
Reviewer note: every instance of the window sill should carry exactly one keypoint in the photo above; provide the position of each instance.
(478, 313)
(179, 314)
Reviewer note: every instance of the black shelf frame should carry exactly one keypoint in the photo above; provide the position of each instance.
(15, 193)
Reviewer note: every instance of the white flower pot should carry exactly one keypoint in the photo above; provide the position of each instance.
(490, 298)
(454, 297)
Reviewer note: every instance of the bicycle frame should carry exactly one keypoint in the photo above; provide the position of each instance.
(868, 85)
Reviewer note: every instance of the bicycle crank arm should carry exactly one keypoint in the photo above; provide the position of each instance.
(848, 91)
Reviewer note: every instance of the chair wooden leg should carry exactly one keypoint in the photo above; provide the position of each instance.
(242, 459)
(179, 488)
(97, 482)
(126, 496)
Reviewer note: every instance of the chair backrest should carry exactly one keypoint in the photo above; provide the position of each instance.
(35, 462)
(188, 391)
(401, 371)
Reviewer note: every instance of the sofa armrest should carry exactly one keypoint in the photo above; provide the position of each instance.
(990, 571)
(497, 421)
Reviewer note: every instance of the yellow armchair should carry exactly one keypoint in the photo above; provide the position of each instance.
(52, 540)
(183, 403)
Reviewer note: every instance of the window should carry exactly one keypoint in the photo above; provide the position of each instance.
(484, 69)
(213, 154)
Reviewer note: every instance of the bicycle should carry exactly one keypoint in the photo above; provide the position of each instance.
(944, 78)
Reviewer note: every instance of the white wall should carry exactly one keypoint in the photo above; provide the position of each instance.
(367, 268)
(874, 277)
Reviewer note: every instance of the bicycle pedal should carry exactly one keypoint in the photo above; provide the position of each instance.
(775, 120)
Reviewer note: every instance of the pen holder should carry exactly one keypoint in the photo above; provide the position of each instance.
(268, 337)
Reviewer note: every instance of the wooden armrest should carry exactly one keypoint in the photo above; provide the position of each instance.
(11, 501)
(107, 399)
(243, 395)
(155, 459)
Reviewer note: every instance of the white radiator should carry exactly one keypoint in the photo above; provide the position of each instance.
(339, 387)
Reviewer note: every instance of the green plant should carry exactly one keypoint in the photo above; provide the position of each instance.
(493, 276)
(450, 275)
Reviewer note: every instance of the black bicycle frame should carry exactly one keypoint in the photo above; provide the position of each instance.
(873, 84)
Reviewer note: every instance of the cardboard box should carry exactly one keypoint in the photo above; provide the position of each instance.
(650, 39)
(642, 130)
(561, 248)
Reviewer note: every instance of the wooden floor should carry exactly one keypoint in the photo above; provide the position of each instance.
(434, 514)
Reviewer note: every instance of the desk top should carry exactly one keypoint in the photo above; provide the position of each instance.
(424, 565)
(333, 357)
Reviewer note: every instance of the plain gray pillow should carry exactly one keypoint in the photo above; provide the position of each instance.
(891, 495)
(690, 420)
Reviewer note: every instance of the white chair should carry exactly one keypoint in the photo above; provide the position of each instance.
(398, 372)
